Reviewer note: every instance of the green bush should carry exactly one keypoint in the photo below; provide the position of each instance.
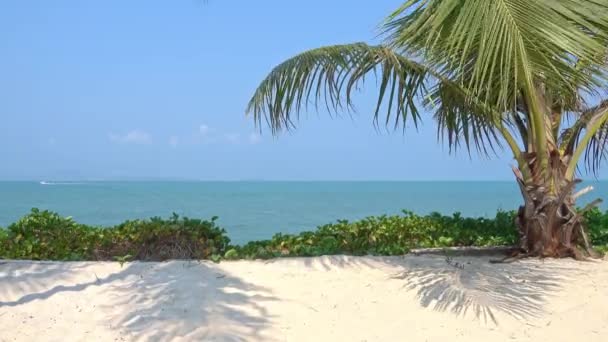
(3, 238)
(597, 224)
(43, 235)
(46, 235)
(387, 235)
(159, 239)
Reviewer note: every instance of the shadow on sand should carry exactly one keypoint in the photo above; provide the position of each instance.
(518, 289)
(149, 301)
(479, 288)
(36, 280)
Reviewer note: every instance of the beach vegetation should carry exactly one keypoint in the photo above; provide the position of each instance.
(45, 235)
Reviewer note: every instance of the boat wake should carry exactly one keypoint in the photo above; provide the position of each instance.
(60, 183)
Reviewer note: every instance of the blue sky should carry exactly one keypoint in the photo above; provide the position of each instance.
(157, 89)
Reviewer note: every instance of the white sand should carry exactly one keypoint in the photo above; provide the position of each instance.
(318, 299)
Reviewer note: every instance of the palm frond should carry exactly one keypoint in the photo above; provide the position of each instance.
(569, 138)
(331, 75)
(463, 120)
(588, 136)
(596, 150)
(594, 138)
(494, 48)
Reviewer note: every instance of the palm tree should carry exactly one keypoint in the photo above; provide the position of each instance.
(525, 74)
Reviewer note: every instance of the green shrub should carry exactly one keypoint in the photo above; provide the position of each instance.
(159, 239)
(597, 224)
(387, 235)
(46, 235)
(43, 235)
(3, 242)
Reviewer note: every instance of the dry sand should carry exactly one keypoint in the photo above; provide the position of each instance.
(412, 298)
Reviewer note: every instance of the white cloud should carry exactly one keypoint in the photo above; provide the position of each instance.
(207, 135)
(174, 141)
(255, 138)
(135, 136)
(232, 138)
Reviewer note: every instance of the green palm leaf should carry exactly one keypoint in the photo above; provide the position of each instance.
(331, 75)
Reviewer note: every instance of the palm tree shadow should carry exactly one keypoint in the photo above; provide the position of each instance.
(201, 303)
(519, 289)
(472, 287)
(36, 280)
(149, 301)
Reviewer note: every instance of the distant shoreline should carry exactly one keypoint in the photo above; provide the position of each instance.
(50, 180)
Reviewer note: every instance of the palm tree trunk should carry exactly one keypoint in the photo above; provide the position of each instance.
(549, 224)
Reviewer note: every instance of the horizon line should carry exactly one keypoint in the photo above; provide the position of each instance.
(143, 179)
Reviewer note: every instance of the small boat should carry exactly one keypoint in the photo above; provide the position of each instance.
(44, 183)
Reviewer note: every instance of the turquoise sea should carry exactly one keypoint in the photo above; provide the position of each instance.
(257, 210)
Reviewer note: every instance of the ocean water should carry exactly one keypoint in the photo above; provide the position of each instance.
(257, 210)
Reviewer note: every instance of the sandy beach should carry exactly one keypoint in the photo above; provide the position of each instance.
(412, 298)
